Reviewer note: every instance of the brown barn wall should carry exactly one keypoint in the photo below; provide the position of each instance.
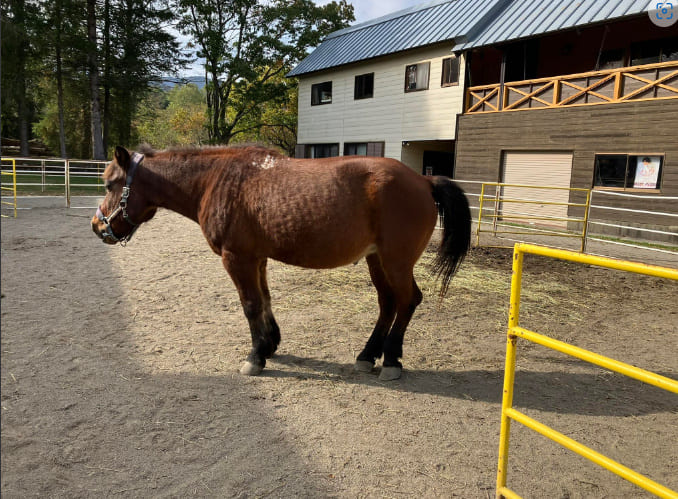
(639, 127)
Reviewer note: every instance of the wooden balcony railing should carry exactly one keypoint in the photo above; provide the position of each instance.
(631, 84)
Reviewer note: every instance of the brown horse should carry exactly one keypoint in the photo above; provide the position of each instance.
(253, 204)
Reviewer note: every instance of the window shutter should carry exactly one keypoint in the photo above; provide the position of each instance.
(375, 149)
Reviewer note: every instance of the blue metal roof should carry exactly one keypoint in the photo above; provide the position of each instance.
(525, 18)
(469, 23)
(407, 29)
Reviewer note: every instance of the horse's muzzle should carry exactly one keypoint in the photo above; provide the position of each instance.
(99, 229)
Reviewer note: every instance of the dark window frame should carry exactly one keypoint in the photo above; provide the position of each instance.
(331, 147)
(375, 149)
(408, 80)
(453, 61)
(628, 162)
(317, 90)
(349, 145)
(363, 86)
(653, 51)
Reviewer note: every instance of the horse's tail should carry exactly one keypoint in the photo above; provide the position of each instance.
(456, 216)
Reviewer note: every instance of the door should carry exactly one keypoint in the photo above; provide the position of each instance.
(552, 169)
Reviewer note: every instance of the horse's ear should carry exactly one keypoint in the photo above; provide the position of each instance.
(122, 157)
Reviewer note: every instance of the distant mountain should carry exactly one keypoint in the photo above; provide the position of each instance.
(199, 81)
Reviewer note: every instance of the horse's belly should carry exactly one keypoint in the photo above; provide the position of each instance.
(322, 256)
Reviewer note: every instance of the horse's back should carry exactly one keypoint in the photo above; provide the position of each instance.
(329, 212)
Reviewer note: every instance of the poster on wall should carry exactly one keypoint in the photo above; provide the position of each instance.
(647, 172)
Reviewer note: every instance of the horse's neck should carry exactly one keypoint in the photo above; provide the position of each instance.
(176, 188)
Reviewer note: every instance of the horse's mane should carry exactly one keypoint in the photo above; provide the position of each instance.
(150, 152)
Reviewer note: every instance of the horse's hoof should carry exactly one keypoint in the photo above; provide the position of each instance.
(390, 373)
(249, 369)
(363, 366)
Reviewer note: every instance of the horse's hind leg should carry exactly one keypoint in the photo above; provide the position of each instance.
(255, 299)
(387, 311)
(408, 297)
(274, 330)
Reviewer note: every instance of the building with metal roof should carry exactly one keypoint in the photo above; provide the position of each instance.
(564, 93)
(464, 23)
(526, 18)
(418, 26)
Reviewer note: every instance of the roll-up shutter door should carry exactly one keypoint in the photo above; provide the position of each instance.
(552, 169)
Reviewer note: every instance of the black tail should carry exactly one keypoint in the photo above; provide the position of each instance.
(454, 210)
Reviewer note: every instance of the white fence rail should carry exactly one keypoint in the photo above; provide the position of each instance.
(590, 230)
(62, 177)
(58, 177)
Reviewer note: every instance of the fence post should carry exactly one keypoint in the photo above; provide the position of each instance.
(509, 369)
(42, 177)
(67, 177)
(497, 196)
(585, 231)
(14, 183)
(480, 214)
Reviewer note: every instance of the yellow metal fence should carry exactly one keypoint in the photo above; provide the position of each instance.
(521, 212)
(508, 413)
(10, 189)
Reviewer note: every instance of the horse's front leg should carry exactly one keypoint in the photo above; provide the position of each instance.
(249, 277)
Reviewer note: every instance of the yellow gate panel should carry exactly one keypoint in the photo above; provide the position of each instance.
(508, 413)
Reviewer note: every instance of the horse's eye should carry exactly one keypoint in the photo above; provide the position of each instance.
(108, 186)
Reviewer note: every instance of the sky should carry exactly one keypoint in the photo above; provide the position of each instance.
(364, 10)
(370, 9)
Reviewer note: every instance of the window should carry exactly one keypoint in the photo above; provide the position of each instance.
(364, 149)
(450, 72)
(653, 51)
(321, 93)
(611, 59)
(628, 171)
(355, 149)
(364, 86)
(416, 76)
(322, 150)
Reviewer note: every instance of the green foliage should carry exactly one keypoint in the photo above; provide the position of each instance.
(21, 49)
(276, 122)
(247, 45)
(172, 118)
(76, 116)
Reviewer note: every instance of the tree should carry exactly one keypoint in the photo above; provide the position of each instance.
(107, 54)
(64, 47)
(58, 34)
(173, 118)
(247, 45)
(19, 23)
(276, 124)
(140, 53)
(93, 73)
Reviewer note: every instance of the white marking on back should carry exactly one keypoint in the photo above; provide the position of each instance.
(269, 162)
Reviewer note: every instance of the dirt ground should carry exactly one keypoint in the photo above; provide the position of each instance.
(120, 375)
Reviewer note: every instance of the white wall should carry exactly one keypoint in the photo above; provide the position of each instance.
(392, 115)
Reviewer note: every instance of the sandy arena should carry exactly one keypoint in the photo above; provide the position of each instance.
(120, 375)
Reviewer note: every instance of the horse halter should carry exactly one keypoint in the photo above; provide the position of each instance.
(135, 161)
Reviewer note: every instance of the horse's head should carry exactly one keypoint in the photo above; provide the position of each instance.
(125, 207)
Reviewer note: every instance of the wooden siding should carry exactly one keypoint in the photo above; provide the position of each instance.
(392, 115)
(640, 128)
